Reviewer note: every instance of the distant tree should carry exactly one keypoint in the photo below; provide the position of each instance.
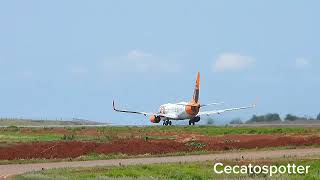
(318, 117)
(210, 121)
(254, 118)
(291, 117)
(236, 121)
(271, 117)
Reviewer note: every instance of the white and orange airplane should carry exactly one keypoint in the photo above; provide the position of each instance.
(183, 110)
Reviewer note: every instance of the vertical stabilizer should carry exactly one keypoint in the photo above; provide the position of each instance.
(196, 93)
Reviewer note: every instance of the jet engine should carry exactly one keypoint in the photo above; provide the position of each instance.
(192, 110)
(155, 119)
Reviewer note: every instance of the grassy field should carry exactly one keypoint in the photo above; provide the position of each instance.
(171, 171)
(212, 130)
(16, 134)
(31, 122)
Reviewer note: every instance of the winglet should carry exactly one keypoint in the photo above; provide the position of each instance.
(255, 102)
(113, 106)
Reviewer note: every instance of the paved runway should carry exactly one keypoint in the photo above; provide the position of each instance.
(15, 169)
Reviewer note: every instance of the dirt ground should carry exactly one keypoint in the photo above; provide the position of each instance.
(183, 143)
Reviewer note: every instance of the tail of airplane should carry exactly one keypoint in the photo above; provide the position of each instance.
(196, 93)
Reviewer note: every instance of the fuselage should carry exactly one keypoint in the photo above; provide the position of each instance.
(178, 111)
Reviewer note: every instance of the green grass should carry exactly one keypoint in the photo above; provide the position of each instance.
(203, 170)
(219, 130)
(14, 137)
(14, 134)
(20, 137)
(196, 144)
(210, 130)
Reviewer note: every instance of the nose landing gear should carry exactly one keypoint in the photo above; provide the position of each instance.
(167, 122)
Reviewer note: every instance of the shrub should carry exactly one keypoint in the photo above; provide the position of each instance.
(68, 137)
(236, 121)
(271, 117)
(12, 128)
(196, 144)
(210, 121)
(290, 117)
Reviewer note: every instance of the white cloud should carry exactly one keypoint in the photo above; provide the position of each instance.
(139, 61)
(302, 63)
(232, 62)
(135, 54)
(79, 70)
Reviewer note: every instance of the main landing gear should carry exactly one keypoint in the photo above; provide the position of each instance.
(191, 123)
(194, 120)
(167, 122)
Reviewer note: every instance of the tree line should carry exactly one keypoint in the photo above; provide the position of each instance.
(272, 117)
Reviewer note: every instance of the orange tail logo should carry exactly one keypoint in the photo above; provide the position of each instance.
(193, 106)
(195, 97)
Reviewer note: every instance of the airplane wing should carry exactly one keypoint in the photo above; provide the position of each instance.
(211, 104)
(143, 113)
(201, 105)
(225, 110)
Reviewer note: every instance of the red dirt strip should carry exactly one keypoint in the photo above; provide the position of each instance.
(72, 149)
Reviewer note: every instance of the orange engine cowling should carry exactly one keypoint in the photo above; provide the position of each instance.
(192, 110)
(155, 119)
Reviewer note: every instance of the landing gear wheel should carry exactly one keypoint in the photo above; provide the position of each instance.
(170, 123)
(166, 122)
(190, 123)
(193, 123)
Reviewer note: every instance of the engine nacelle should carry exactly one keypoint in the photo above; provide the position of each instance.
(155, 119)
(196, 119)
(192, 110)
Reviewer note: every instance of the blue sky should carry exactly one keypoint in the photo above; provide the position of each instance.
(64, 59)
